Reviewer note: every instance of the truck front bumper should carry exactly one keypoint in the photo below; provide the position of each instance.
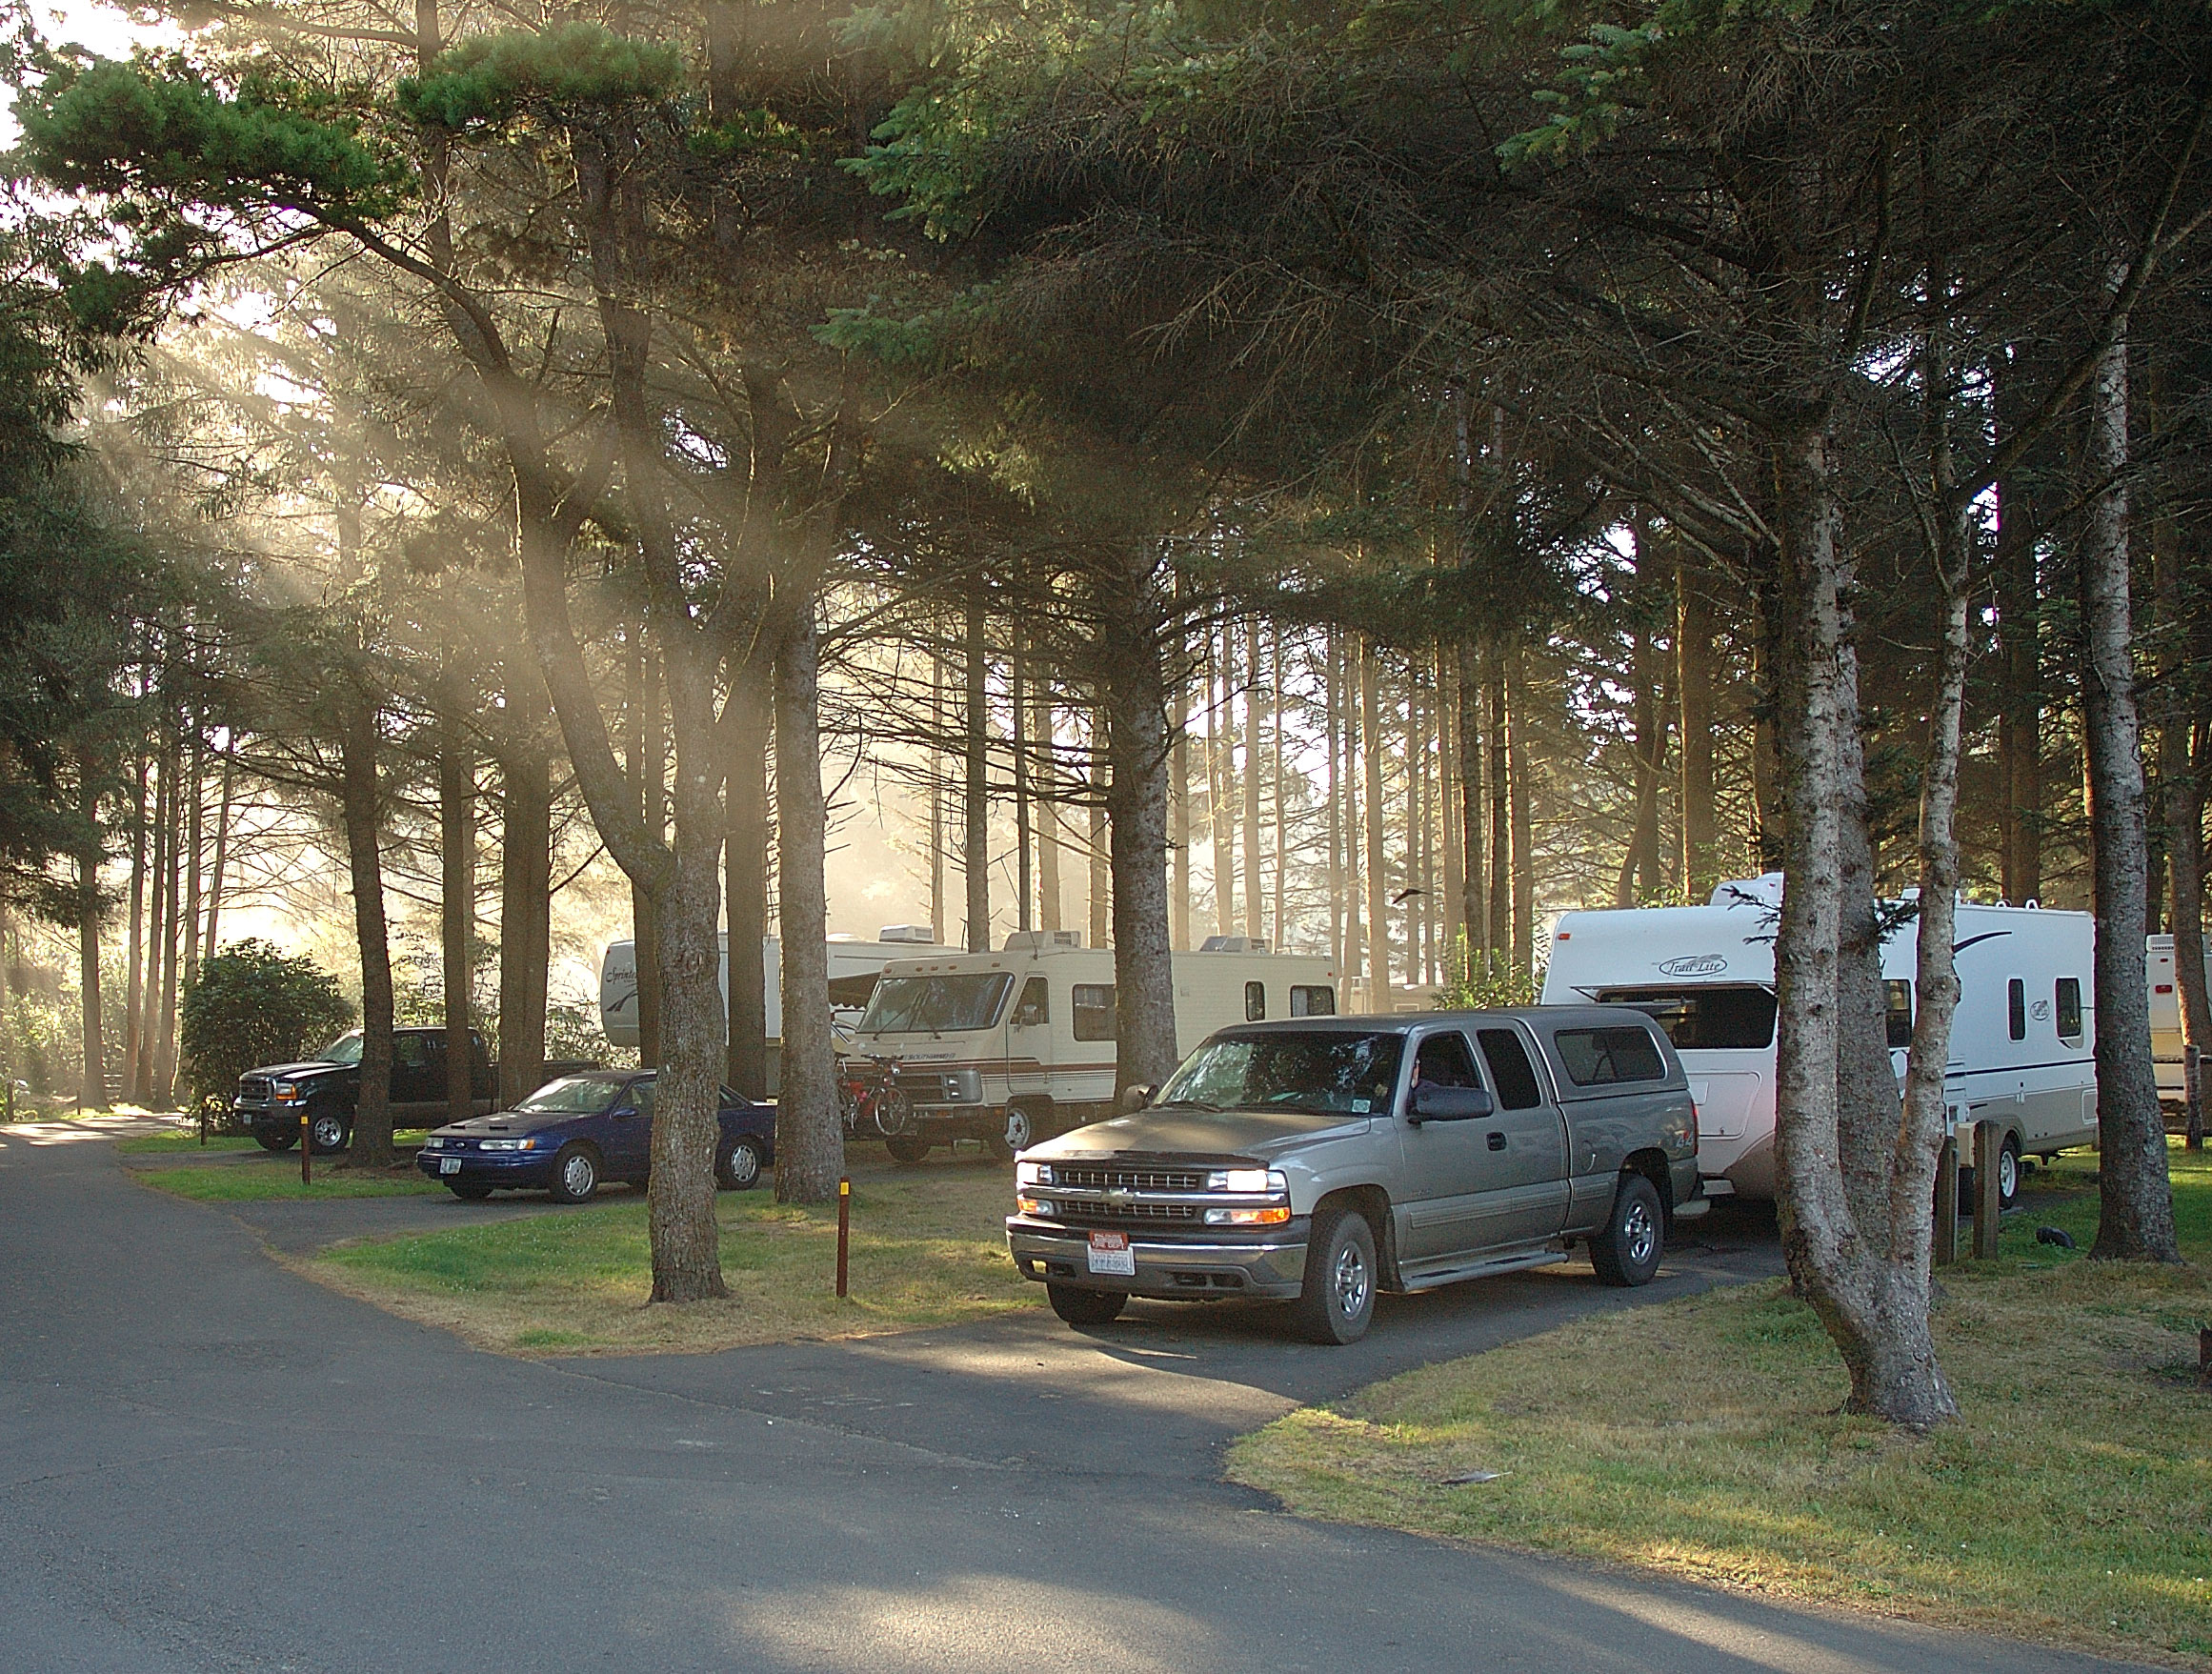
(1273, 1265)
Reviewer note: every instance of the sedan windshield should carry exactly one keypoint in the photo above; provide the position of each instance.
(573, 1096)
(938, 1005)
(344, 1049)
(1326, 1073)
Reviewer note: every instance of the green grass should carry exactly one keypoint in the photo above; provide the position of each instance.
(278, 1180)
(927, 1248)
(2072, 1499)
(180, 1144)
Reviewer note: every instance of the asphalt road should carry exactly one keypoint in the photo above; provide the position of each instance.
(214, 1465)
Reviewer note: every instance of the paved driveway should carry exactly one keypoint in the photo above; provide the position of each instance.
(213, 1466)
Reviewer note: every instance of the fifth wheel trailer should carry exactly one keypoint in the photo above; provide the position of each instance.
(2165, 1014)
(2022, 1046)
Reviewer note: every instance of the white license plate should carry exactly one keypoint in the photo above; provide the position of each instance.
(449, 1165)
(1111, 1255)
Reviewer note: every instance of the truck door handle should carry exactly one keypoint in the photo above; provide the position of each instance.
(1498, 1142)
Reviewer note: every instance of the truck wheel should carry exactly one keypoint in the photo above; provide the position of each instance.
(1086, 1307)
(467, 1194)
(1337, 1302)
(329, 1131)
(1628, 1252)
(737, 1166)
(277, 1138)
(1015, 1135)
(576, 1173)
(907, 1147)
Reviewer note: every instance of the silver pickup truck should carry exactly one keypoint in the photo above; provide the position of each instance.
(1318, 1160)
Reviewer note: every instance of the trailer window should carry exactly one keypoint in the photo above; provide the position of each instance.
(2068, 996)
(1313, 1001)
(1254, 1002)
(1092, 1006)
(1511, 1069)
(2016, 1009)
(908, 1005)
(1606, 1057)
(1901, 1013)
(1733, 1016)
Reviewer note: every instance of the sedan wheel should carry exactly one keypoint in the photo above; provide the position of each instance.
(576, 1173)
(737, 1166)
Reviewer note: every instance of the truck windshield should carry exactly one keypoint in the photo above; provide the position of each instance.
(573, 1096)
(1724, 1016)
(936, 1005)
(1329, 1072)
(344, 1049)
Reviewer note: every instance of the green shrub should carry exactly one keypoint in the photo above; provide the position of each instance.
(250, 1005)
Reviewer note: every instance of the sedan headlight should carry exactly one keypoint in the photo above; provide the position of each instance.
(1251, 1180)
(1033, 1174)
(507, 1146)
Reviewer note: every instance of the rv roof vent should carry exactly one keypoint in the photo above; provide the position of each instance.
(1042, 941)
(916, 933)
(1234, 945)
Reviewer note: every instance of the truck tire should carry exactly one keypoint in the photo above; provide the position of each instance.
(907, 1147)
(1337, 1302)
(737, 1164)
(276, 1139)
(329, 1132)
(1017, 1133)
(576, 1173)
(1086, 1307)
(1628, 1252)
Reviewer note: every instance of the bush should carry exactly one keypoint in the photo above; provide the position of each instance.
(1477, 979)
(250, 1005)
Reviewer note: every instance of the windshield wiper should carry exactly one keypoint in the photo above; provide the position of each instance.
(1187, 1104)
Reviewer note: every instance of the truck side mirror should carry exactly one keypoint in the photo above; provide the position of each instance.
(1436, 1103)
(1136, 1097)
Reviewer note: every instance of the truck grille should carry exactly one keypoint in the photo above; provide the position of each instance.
(1127, 1214)
(252, 1090)
(1087, 1178)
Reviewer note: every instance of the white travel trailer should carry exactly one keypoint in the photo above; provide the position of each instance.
(854, 968)
(2165, 1014)
(2022, 1046)
(1014, 1045)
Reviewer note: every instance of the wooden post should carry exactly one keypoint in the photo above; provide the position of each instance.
(307, 1146)
(2193, 1095)
(844, 1228)
(1947, 1202)
(1988, 1142)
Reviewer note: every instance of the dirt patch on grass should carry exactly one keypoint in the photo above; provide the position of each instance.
(927, 1248)
(2072, 1502)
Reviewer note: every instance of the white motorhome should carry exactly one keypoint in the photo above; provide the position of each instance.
(2166, 1014)
(2022, 1046)
(854, 965)
(1014, 1045)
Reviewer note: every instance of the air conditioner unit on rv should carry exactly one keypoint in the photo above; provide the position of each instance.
(1042, 941)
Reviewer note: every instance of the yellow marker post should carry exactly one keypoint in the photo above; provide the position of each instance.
(844, 1227)
(306, 1148)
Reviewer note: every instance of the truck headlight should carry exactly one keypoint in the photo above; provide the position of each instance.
(1251, 1180)
(284, 1091)
(1039, 1206)
(1271, 1215)
(1033, 1174)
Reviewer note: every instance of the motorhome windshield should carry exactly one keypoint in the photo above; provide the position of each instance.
(1727, 1017)
(1326, 1073)
(936, 1005)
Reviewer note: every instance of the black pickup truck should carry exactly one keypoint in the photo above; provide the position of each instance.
(272, 1098)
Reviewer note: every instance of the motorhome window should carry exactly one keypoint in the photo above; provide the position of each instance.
(1511, 1069)
(2016, 1009)
(1254, 1002)
(1604, 1057)
(1035, 1007)
(1901, 1013)
(1444, 1061)
(1733, 1016)
(1313, 1001)
(1092, 1006)
(1324, 1073)
(938, 1006)
(2069, 998)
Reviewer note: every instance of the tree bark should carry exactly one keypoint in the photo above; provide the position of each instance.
(1051, 907)
(222, 860)
(1333, 724)
(1255, 889)
(361, 816)
(810, 1141)
(195, 787)
(142, 1060)
(1017, 716)
(1220, 779)
(1474, 893)
(1101, 867)
(2020, 712)
(2181, 766)
(647, 753)
(1499, 909)
(1134, 657)
(1179, 810)
(1693, 679)
(457, 906)
(2135, 1217)
(1275, 779)
(525, 887)
(92, 1088)
(1377, 877)
(1524, 841)
(745, 862)
(976, 803)
(135, 952)
(171, 926)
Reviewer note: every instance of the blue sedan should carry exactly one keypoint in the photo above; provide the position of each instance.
(580, 1130)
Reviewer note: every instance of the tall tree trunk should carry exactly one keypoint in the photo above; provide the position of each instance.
(92, 1088)
(976, 804)
(648, 757)
(1275, 779)
(1500, 911)
(135, 951)
(157, 917)
(1048, 818)
(222, 862)
(1179, 810)
(195, 787)
(1377, 877)
(1133, 659)
(1355, 927)
(1695, 676)
(1332, 710)
(1017, 716)
(748, 721)
(2136, 1218)
(525, 887)
(360, 815)
(1254, 891)
(172, 927)
(2183, 764)
(2020, 714)
(1102, 891)
(810, 1141)
(457, 903)
(936, 780)
(1769, 814)
(1523, 840)
(1473, 890)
